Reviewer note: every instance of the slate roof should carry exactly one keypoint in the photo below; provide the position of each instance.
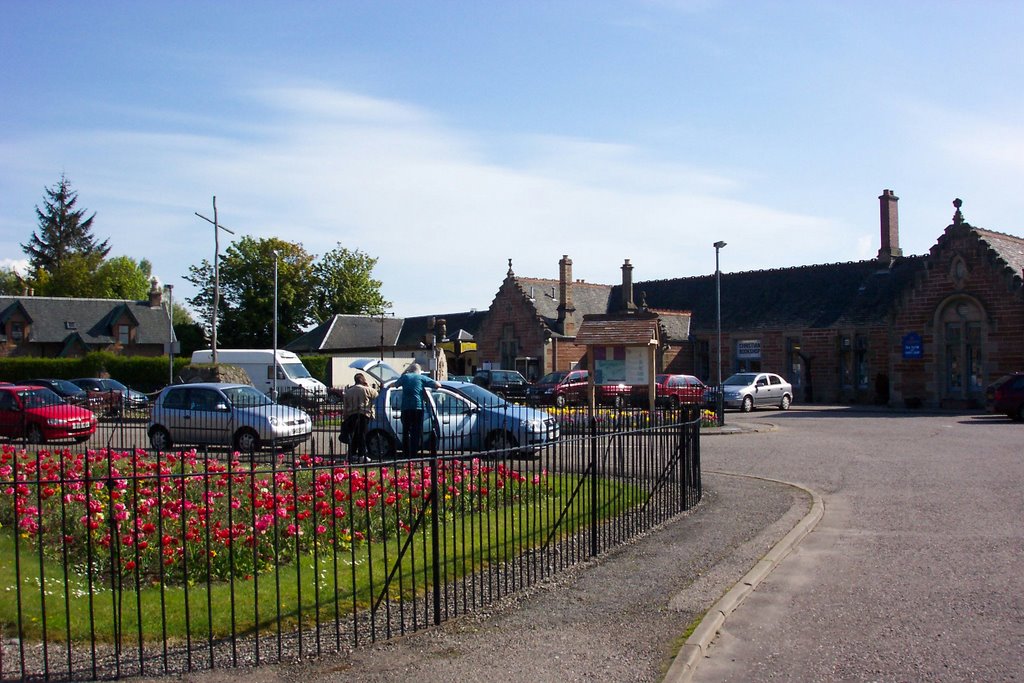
(587, 298)
(1007, 249)
(802, 297)
(362, 332)
(56, 319)
(347, 332)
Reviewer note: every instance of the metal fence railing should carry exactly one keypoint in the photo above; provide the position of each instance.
(122, 559)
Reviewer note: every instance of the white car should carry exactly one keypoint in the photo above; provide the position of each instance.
(749, 390)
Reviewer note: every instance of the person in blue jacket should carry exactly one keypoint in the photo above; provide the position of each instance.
(414, 387)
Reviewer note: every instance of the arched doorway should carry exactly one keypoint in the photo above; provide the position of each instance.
(960, 334)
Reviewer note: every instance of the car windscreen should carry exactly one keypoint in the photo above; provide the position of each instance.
(552, 378)
(39, 398)
(67, 387)
(247, 397)
(295, 370)
(740, 380)
(479, 395)
(114, 384)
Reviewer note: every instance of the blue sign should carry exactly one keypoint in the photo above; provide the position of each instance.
(912, 346)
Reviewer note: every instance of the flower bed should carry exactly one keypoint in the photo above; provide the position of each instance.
(176, 518)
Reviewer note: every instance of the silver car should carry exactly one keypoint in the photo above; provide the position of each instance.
(225, 414)
(749, 390)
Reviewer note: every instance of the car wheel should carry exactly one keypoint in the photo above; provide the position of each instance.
(748, 404)
(500, 440)
(159, 439)
(618, 401)
(82, 438)
(784, 403)
(247, 441)
(34, 434)
(379, 445)
(560, 401)
(673, 402)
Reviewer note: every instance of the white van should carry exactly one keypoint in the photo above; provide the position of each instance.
(292, 375)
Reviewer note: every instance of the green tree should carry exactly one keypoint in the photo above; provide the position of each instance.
(202, 302)
(345, 285)
(74, 277)
(11, 284)
(122, 278)
(247, 289)
(64, 231)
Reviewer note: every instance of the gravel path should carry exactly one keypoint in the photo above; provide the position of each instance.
(620, 617)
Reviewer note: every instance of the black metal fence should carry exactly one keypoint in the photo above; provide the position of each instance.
(119, 559)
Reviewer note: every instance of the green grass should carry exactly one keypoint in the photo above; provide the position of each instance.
(334, 585)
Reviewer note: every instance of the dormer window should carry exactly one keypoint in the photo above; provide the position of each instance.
(70, 325)
(123, 335)
(17, 331)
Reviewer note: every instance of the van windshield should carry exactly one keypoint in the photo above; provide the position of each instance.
(295, 370)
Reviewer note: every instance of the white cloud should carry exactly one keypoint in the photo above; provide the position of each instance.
(435, 205)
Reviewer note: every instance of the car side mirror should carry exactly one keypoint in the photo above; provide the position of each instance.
(222, 408)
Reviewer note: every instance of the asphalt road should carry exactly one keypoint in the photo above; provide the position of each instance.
(914, 573)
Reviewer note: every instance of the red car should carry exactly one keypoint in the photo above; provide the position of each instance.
(559, 389)
(677, 390)
(38, 415)
(1007, 396)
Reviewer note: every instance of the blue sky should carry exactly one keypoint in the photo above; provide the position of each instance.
(444, 138)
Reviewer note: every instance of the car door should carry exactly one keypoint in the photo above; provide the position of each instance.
(456, 419)
(762, 393)
(10, 415)
(205, 418)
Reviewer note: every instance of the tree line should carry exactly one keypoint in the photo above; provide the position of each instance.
(67, 260)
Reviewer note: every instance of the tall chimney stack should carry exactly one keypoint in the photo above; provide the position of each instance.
(890, 224)
(627, 287)
(566, 320)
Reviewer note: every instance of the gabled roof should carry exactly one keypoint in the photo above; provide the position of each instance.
(54, 318)
(342, 332)
(1006, 250)
(463, 326)
(803, 297)
(587, 298)
(361, 332)
(641, 329)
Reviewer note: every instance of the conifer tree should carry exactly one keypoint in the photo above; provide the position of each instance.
(64, 231)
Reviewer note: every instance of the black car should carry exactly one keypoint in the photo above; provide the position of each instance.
(508, 384)
(67, 390)
(1006, 396)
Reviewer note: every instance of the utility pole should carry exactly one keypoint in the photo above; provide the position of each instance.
(216, 274)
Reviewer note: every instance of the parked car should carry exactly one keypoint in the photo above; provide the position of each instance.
(67, 390)
(677, 390)
(559, 389)
(238, 415)
(460, 378)
(616, 394)
(38, 415)
(508, 384)
(1007, 396)
(467, 417)
(114, 395)
(749, 390)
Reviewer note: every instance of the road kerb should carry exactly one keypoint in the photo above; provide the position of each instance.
(696, 646)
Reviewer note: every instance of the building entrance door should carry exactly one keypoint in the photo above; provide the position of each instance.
(960, 351)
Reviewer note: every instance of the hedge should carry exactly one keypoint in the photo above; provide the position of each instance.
(145, 374)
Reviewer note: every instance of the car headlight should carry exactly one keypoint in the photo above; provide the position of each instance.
(273, 420)
(535, 425)
(56, 421)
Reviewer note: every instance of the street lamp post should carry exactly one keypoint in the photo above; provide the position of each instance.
(276, 255)
(720, 400)
(170, 333)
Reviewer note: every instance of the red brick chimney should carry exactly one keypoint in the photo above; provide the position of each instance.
(627, 287)
(890, 227)
(155, 294)
(566, 319)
